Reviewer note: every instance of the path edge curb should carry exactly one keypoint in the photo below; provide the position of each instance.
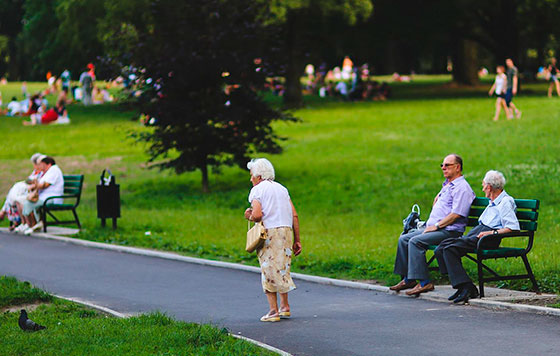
(489, 304)
(123, 316)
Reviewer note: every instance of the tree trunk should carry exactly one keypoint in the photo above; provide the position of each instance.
(205, 185)
(465, 64)
(293, 97)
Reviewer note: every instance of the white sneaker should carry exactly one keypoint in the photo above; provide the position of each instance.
(21, 228)
(37, 226)
(28, 231)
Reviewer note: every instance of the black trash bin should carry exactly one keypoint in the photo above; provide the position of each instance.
(108, 199)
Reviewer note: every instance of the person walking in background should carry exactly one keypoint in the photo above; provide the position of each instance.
(271, 204)
(447, 220)
(511, 91)
(65, 77)
(553, 77)
(499, 87)
(86, 81)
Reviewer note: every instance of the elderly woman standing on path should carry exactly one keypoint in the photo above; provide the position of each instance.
(271, 204)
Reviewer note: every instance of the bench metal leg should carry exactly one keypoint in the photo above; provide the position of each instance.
(530, 273)
(44, 219)
(480, 277)
(77, 220)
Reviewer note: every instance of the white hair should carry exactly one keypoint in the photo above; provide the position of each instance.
(261, 167)
(495, 179)
(35, 158)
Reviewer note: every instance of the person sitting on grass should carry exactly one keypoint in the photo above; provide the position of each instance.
(447, 220)
(49, 116)
(498, 218)
(14, 107)
(50, 184)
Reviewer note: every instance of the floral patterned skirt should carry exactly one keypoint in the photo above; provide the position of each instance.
(275, 258)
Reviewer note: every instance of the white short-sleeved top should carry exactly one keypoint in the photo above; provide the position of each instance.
(54, 177)
(501, 82)
(275, 202)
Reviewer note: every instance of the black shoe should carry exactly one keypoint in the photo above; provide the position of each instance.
(455, 295)
(466, 293)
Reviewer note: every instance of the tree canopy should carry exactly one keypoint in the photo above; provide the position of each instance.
(200, 74)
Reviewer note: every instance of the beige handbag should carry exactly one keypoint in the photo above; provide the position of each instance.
(255, 236)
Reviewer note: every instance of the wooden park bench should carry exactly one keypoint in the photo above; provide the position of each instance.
(72, 190)
(527, 214)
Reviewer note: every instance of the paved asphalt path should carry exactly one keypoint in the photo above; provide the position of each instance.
(326, 320)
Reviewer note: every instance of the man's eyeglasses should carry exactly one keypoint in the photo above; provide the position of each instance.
(447, 165)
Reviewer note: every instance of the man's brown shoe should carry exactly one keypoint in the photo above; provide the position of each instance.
(419, 289)
(403, 285)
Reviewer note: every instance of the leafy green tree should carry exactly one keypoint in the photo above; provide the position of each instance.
(59, 34)
(11, 12)
(200, 68)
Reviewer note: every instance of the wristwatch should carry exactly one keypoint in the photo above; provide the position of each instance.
(437, 225)
(495, 232)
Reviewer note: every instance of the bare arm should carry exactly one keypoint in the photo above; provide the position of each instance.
(254, 213)
(500, 231)
(297, 242)
(492, 89)
(515, 84)
(446, 221)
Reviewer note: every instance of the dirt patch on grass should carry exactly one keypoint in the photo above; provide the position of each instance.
(16, 308)
(541, 302)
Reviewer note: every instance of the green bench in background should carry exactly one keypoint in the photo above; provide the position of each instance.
(72, 190)
(527, 214)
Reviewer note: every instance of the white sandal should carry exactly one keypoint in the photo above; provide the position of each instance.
(271, 318)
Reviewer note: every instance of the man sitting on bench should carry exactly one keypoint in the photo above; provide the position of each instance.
(498, 217)
(448, 219)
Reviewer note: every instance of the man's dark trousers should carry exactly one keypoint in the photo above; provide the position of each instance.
(450, 251)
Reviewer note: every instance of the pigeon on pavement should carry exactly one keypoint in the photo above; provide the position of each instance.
(27, 324)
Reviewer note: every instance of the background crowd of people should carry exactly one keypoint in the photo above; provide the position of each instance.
(36, 107)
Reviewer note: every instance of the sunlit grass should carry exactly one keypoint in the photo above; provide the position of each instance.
(74, 330)
(353, 171)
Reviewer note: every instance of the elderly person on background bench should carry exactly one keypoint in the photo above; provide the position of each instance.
(49, 185)
(448, 219)
(19, 191)
(498, 218)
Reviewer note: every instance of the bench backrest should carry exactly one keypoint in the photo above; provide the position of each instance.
(527, 212)
(73, 185)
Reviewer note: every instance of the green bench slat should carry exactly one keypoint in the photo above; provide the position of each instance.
(59, 206)
(73, 191)
(528, 225)
(480, 201)
(504, 251)
(72, 176)
(527, 203)
(527, 215)
(76, 184)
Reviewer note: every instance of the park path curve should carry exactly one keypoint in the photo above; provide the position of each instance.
(327, 320)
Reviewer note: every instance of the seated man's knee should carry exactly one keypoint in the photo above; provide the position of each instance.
(417, 241)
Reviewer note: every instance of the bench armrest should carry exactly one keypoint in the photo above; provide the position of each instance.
(58, 197)
(507, 235)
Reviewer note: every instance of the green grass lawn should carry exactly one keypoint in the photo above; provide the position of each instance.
(353, 171)
(75, 330)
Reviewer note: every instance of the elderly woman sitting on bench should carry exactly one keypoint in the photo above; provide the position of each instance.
(50, 184)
